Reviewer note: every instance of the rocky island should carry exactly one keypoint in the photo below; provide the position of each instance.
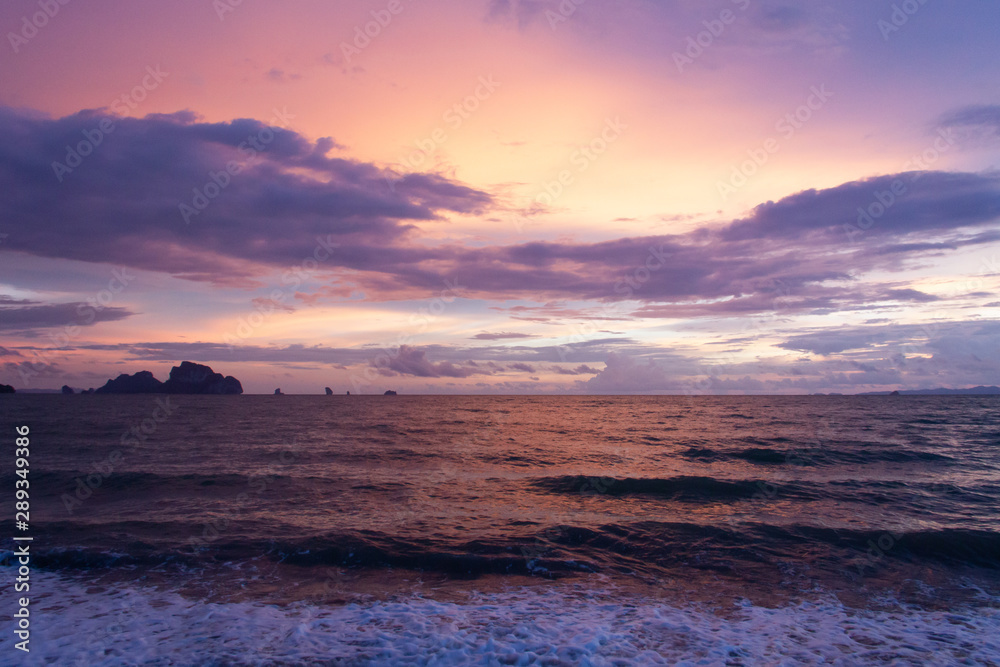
(188, 378)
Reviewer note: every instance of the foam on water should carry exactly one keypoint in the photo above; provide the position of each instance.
(72, 624)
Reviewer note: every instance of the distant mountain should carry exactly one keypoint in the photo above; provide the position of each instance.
(188, 378)
(971, 391)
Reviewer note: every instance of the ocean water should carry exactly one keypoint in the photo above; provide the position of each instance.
(510, 530)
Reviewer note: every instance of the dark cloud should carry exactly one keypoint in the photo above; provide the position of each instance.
(30, 369)
(582, 369)
(413, 361)
(978, 122)
(44, 316)
(803, 253)
(935, 202)
(122, 202)
(524, 368)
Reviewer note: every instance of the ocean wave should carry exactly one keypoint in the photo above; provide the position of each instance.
(812, 456)
(682, 488)
(653, 548)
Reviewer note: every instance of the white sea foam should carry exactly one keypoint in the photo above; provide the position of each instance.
(71, 625)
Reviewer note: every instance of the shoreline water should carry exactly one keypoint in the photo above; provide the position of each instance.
(689, 528)
(572, 624)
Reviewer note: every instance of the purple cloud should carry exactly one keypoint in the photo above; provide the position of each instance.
(26, 315)
(294, 202)
(412, 361)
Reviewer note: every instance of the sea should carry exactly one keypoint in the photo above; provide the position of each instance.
(506, 530)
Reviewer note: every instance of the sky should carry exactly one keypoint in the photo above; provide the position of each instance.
(502, 196)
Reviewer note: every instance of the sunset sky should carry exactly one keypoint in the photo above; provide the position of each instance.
(502, 196)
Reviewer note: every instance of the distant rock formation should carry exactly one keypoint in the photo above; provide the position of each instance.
(940, 391)
(142, 382)
(188, 378)
(277, 392)
(7, 389)
(389, 392)
(66, 389)
(191, 378)
(329, 392)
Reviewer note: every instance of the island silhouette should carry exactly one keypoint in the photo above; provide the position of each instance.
(188, 378)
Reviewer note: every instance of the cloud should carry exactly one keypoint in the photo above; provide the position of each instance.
(29, 369)
(25, 315)
(500, 335)
(278, 75)
(937, 202)
(122, 201)
(413, 361)
(267, 305)
(840, 339)
(489, 358)
(524, 368)
(979, 122)
(624, 374)
(851, 359)
(582, 369)
(292, 202)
